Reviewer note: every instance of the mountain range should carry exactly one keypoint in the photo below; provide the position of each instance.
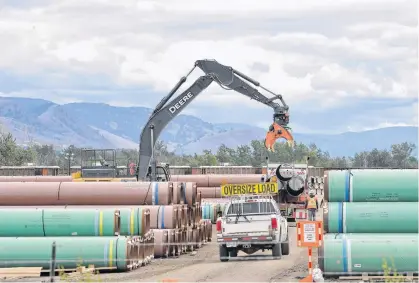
(100, 125)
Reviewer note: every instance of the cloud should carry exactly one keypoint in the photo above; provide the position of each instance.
(321, 55)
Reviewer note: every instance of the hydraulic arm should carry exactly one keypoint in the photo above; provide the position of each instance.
(228, 78)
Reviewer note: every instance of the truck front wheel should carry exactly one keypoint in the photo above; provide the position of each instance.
(223, 253)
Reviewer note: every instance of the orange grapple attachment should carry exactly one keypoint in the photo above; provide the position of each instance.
(276, 132)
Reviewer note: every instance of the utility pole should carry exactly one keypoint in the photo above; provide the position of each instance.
(69, 156)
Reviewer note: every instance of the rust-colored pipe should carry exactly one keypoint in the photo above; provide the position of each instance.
(36, 179)
(190, 193)
(171, 241)
(163, 216)
(178, 191)
(29, 193)
(209, 192)
(116, 193)
(217, 180)
(160, 243)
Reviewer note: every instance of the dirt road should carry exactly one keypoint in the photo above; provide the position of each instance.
(205, 266)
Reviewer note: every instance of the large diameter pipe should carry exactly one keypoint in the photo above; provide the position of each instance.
(217, 180)
(116, 193)
(371, 185)
(209, 192)
(370, 217)
(38, 222)
(36, 179)
(86, 193)
(132, 220)
(112, 253)
(162, 216)
(354, 254)
(161, 248)
(29, 193)
(295, 186)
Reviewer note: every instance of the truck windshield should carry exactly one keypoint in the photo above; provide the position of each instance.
(251, 208)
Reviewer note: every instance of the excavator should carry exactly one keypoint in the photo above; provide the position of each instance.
(228, 79)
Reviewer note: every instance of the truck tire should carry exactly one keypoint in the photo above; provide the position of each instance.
(285, 246)
(276, 251)
(233, 253)
(223, 253)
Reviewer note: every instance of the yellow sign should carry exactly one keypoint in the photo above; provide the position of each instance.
(249, 189)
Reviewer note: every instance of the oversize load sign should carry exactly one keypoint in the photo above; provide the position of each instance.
(249, 189)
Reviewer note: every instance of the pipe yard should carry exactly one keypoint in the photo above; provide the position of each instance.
(154, 231)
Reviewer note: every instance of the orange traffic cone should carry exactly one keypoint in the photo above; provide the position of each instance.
(309, 278)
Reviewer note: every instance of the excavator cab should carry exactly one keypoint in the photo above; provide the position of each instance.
(277, 130)
(162, 173)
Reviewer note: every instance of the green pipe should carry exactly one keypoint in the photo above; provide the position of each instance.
(21, 222)
(80, 222)
(71, 252)
(211, 210)
(353, 254)
(371, 185)
(371, 217)
(132, 221)
(51, 222)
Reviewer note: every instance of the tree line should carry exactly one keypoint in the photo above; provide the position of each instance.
(399, 156)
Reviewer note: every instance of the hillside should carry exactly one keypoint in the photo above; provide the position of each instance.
(103, 126)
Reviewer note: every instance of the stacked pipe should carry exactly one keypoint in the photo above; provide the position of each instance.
(316, 183)
(83, 229)
(371, 219)
(142, 212)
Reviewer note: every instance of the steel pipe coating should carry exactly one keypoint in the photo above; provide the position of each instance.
(355, 254)
(36, 179)
(102, 252)
(209, 192)
(371, 185)
(50, 222)
(86, 193)
(29, 193)
(116, 193)
(217, 180)
(163, 216)
(161, 248)
(371, 217)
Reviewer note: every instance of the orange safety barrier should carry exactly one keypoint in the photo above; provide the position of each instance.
(310, 235)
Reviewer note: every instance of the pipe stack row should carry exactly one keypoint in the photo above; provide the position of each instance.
(209, 188)
(107, 209)
(371, 220)
(316, 183)
(120, 237)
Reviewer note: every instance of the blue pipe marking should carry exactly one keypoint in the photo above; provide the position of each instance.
(162, 217)
(347, 185)
(156, 193)
(340, 217)
(344, 255)
(105, 254)
(184, 193)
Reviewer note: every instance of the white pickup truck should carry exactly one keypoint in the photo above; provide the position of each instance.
(251, 223)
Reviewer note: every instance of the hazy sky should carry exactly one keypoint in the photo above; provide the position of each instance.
(340, 64)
